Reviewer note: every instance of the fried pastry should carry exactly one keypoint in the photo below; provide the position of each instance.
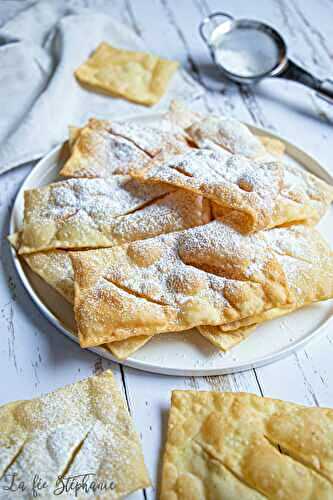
(55, 268)
(228, 133)
(307, 262)
(136, 76)
(211, 131)
(304, 198)
(89, 213)
(96, 152)
(231, 181)
(226, 340)
(238, 445)
(248, 194)
(83, 428)
(103, 148)
(206, 275)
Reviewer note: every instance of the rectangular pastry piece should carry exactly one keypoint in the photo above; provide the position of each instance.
(103, 148)
(232, 181)
(241, 446)
(83, 428)
(219, 131)
(307, 261)
(205, 275)
(252, 195)
(137, 76)
(83, 213)
(213, 132)
(55, 268)
(303, 198)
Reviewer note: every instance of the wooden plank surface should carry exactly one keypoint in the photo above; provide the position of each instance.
(35, 358)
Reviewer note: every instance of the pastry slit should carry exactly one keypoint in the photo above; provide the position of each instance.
(210, 271)
(144, 205)
(286, 254)
(135, 294)
(182, 172)
(73, 456)
(210, 454)
(13, 459)
(293, 456)
(116, 134)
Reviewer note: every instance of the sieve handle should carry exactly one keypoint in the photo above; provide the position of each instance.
(323, 88)
(210, 22)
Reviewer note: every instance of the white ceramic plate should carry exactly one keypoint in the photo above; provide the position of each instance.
(189, 353)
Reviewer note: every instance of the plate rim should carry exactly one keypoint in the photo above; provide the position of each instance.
(308, 162)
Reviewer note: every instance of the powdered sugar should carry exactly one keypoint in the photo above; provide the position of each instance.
(101, 199)
(172, 212)
(99, 153)
(186, 279)
(80, 429)
(228, 133)
(230, 180)
(105, 212)
(149, 139)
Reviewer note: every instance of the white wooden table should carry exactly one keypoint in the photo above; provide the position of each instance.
(36, 358)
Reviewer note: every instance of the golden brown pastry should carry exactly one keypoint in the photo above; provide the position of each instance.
(303, 198)
(83, 428)
(96, 152)
(248, 194)
(228, 133)
(227, 339)
(90, 213)
(136, 76)
(211, 131)
(307, 261)
(231, 181)
(206, 275)
(55, 268)
(241, 446)
(103, 148)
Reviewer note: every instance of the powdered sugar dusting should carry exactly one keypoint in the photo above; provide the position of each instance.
(99, 153)
(230, 180)
(80, 429)
(101, 199)
(105, 212)
(173, 212)
(149, 139)
(194, 273)
(227, 133)
(305, 258)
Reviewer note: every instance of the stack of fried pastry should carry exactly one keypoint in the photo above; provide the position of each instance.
(193, 222)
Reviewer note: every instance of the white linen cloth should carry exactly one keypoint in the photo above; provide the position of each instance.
(39, 96)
